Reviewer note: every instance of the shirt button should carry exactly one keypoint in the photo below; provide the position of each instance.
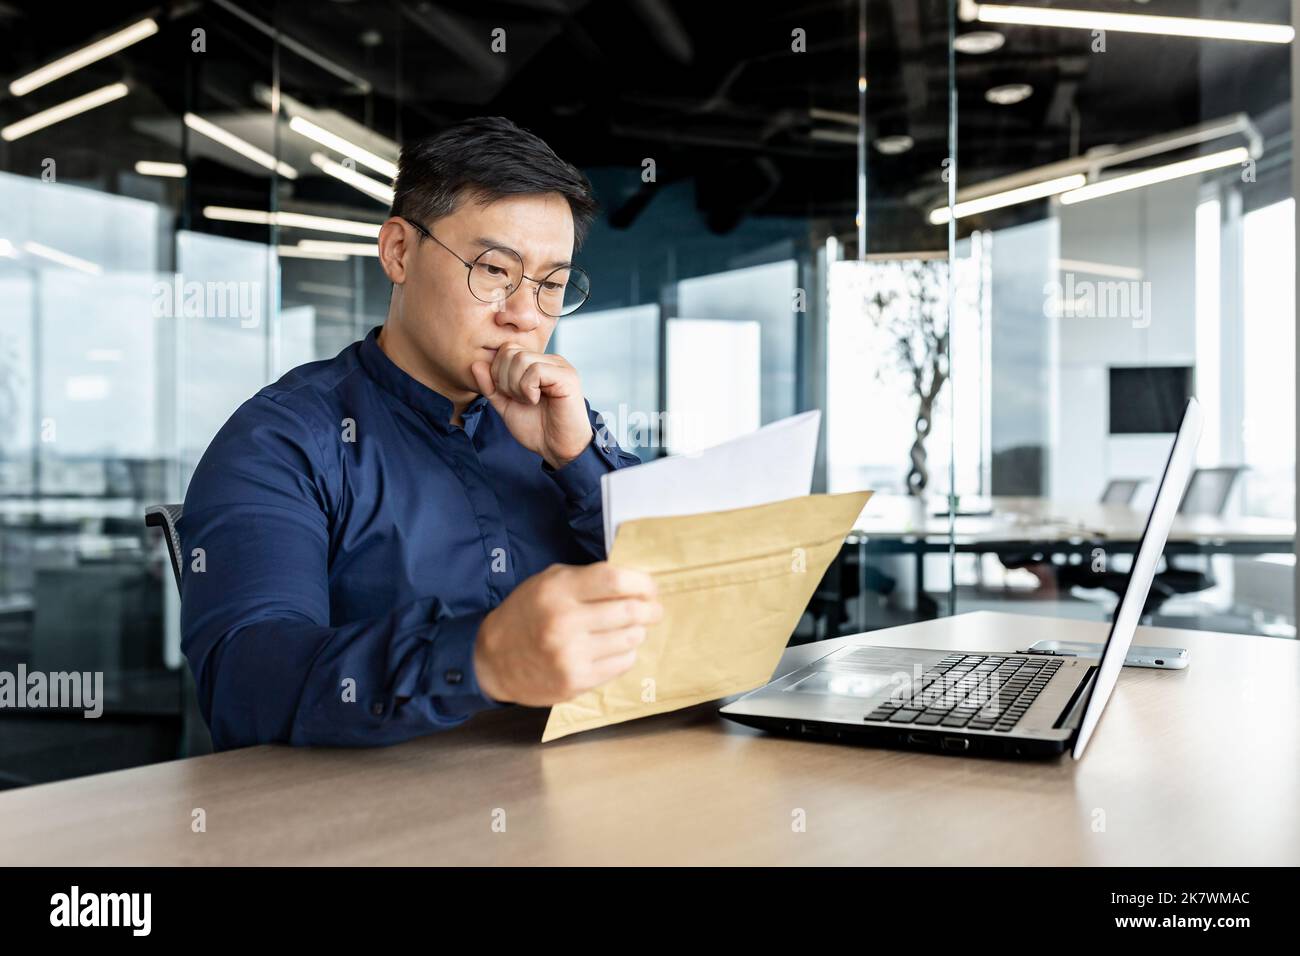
(453, 676)
(377, 709)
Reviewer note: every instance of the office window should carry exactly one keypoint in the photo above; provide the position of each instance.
(616, 352)
(714, 382)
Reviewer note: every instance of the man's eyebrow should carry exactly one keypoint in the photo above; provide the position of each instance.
(487, 242)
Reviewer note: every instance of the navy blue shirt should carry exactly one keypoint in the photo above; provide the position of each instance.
(350, 541)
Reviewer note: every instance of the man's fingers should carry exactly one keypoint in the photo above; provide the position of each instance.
(618, 613)
(607, 668)
(509, 364)
(529, 385)
(500, 360)
(602, 580)
(615, 643)
(526, 375)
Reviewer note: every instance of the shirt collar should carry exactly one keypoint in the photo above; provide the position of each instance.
(434, 406)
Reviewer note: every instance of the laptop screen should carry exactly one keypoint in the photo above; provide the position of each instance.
(1178, 471)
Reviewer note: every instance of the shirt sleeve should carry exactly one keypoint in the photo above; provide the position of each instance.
(255, 607)
(580, 482)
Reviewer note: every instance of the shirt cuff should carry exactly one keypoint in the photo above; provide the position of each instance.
(450, 676)
(580, 478)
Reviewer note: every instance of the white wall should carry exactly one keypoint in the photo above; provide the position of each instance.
(1153, 230)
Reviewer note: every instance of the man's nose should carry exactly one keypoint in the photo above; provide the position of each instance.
(519, 310)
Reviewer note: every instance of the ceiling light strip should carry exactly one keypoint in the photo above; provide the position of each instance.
(1135, 23)
(83, 57)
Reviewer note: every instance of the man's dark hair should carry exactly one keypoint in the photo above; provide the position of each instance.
(485, 159)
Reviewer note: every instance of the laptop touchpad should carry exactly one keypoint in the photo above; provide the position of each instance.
(862, 683)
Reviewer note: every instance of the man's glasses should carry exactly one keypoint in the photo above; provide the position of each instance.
(496, 274)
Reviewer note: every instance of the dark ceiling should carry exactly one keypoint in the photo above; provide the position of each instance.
(711, 90)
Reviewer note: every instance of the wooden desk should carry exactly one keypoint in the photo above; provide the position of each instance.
(1188, 767)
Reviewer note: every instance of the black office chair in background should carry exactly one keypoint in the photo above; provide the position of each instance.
(1207, 493)
(165, 518)
(196, 738)
(1118, 491)
(1209, 490)
(1121, 491)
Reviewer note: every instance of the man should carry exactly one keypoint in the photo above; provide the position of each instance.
(382, 544)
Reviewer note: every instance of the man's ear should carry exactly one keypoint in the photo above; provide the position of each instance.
(396, 240)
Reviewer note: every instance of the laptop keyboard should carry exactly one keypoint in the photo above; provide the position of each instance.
(973, 691)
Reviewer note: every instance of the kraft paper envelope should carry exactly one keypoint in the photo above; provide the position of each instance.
(733, 585)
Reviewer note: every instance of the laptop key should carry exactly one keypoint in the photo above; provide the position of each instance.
(928, 719)
(904, 716)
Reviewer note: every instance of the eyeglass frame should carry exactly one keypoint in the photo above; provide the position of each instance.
(537, 291)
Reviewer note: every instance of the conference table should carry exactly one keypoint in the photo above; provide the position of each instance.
(1029, 526)
(1190, 767)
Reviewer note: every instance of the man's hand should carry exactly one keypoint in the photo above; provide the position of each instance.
(564, 631)
(539, 397)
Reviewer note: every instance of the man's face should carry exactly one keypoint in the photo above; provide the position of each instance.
(442, 321)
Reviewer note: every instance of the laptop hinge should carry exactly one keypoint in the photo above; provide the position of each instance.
(1068, 711)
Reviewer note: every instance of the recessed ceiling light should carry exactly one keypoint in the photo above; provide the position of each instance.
(1009, 94)
(893, 145)
(979, 41)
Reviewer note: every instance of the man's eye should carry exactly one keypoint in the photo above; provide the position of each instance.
(493, 271)
(552, 286)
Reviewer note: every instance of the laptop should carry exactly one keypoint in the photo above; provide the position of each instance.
(973, 702)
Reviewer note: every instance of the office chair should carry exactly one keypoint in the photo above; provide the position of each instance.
(165, 517)
(1118, 491)
(1208, 491)
(197, 738)
(1207, 494)
(840, 585)
(1121, 491)
(1018, 471)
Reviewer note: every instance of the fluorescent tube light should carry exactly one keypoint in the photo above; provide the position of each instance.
(371, 187)
(1135, 23)
(293, 252)
(83, 57)
(63, 258)
(319, 134)
(292, 220)
(340, 248)
(66, 110)
(1161, 174)
(244, 148)
(148, 167)
(1099, 269)
(1011, 197)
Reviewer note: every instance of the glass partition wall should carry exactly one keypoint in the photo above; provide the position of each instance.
(1124, 193)
(997, 249)
(188, 208)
